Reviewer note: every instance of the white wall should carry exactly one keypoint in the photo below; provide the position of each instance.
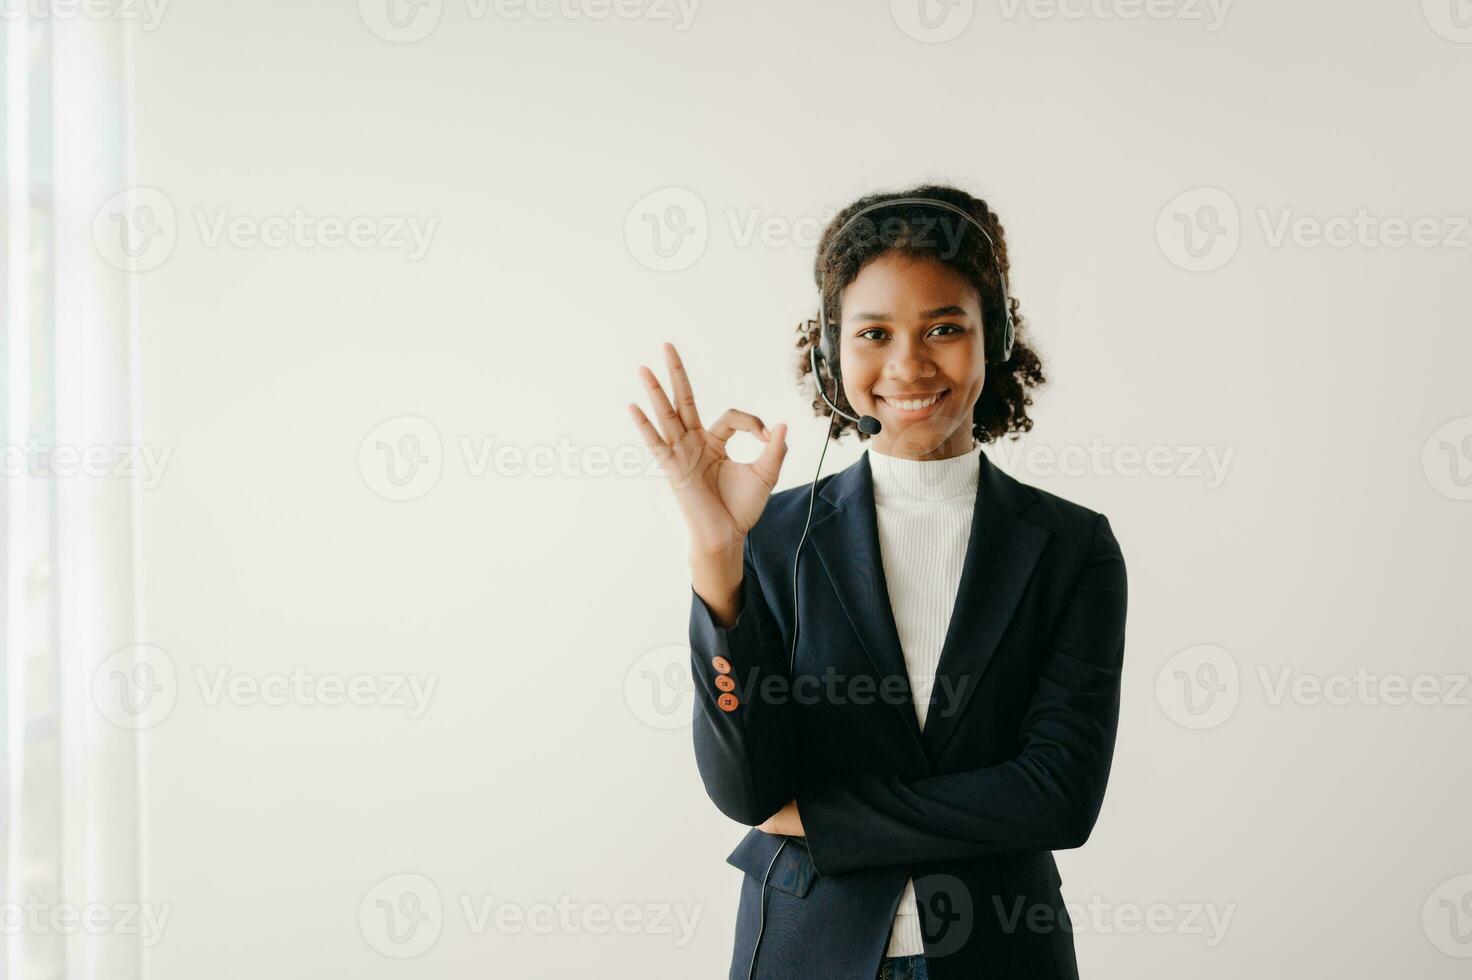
(1321, 830)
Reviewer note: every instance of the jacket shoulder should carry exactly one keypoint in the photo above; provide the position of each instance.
(1066, 519)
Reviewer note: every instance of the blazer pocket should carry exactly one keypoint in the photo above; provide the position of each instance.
(793, 871)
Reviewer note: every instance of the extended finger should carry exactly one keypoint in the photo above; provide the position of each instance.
(664, 412)
(656, 445)
(680, 382)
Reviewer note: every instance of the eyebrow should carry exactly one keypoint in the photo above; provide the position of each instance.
(926, 315)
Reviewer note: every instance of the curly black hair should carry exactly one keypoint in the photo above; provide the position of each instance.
(920, 232)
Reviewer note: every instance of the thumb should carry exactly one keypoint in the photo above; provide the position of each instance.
(769, 464)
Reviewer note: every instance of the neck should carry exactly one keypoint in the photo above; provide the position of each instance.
(959, 444)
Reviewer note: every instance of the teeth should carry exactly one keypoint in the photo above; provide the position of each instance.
(911, 405)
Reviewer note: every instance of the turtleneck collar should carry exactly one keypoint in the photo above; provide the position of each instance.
(899, 480)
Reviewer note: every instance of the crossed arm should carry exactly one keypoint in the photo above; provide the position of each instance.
(1047, 797)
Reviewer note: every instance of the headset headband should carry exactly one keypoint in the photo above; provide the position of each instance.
(1003, 346)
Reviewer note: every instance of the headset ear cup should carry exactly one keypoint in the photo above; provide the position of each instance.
(1007, 335)
(825, 347)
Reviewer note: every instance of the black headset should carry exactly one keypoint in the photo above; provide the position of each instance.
(998, 349)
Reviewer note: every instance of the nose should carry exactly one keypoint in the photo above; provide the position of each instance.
(908, 361)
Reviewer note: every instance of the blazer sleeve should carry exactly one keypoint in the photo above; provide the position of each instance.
(739, 752)
(1048, 797)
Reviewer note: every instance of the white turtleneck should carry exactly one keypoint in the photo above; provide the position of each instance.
(923, 509)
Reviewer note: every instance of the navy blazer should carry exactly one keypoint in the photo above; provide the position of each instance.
(1011, 765)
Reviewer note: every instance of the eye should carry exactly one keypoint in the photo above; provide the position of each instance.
(861, 333)
(956, 328)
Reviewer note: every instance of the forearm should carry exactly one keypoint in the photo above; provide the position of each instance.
(872, 820)
(739, 734)
(717, 579)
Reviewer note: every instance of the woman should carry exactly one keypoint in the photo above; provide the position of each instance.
(914, 717)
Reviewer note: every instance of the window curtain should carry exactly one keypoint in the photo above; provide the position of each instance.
(69, 775)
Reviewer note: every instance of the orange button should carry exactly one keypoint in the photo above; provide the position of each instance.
(727, 702)
(722, 665)
(725, 683)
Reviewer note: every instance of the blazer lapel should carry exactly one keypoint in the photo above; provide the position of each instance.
(1001, 552)
(846, 539)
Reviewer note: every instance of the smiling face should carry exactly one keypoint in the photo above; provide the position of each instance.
(912, 354)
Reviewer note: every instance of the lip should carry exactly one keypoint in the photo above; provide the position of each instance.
(910, 415)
